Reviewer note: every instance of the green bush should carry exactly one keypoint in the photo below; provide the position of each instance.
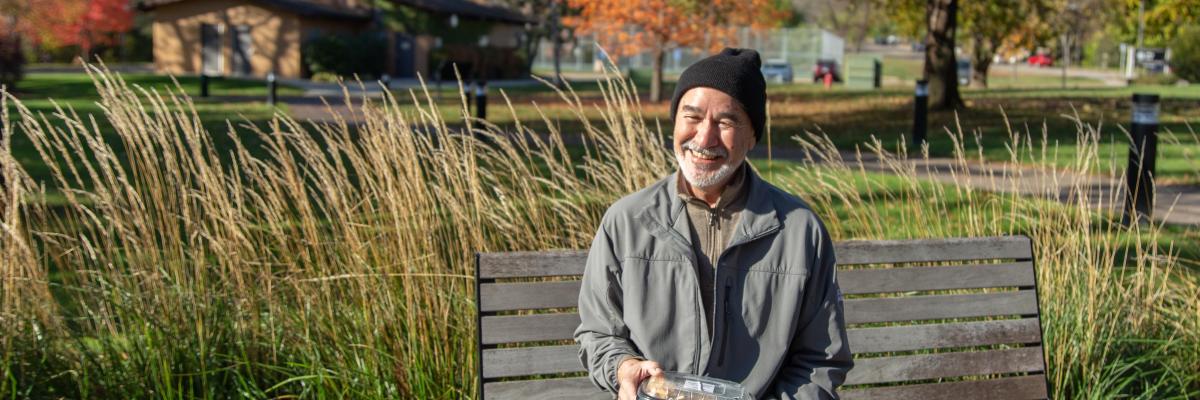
(12, 60)
(346, 55)
(1185, 54)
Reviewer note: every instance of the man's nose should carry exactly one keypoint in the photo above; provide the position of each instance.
(707, 134)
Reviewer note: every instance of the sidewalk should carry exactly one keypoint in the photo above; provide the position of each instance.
(1106, 193)
(333, 90)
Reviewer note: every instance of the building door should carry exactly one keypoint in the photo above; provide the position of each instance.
(405, 61)
(210, 50)
(243, 47)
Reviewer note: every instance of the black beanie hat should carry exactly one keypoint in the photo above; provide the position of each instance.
(735, 72)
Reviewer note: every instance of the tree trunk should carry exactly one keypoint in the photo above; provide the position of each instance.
(1066, 48)
(941, 68)
(556, 33)
(656, 81)
(983, 50)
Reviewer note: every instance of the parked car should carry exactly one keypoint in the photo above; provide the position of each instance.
(779, 71)
(825, 66)
(1040, 60)
(964, 72)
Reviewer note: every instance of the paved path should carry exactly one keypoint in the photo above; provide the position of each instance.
(375, 88)
(1174, 204)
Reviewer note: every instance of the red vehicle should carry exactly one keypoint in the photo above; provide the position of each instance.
(1041, 60)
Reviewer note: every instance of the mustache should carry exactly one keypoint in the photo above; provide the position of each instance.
(709, 152)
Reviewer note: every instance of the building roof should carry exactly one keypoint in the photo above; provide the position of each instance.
(301, 7)
(468, 9)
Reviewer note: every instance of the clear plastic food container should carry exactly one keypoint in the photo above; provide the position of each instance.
(679, 386)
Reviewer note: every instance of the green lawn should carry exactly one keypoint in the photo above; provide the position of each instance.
(75, 92)
(77, 85)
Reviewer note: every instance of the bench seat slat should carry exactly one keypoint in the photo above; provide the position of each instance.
(940, 336)
(929, 250)
(530, 264)
(1027, 387)
(527, 264)
(557, 388)
(528, 296)
(528, 328)
(919, 308)
(944, 365)
(888, 280)
(522, 361)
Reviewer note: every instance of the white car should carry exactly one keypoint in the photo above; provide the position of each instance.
(778, 71)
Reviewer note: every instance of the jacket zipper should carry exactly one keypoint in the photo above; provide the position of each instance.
(724, 325)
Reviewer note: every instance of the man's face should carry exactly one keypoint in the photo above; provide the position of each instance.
(712, 136)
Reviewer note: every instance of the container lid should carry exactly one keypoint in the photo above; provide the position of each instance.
(680, 386)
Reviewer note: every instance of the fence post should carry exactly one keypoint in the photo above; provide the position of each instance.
(1139, 174)
(878, 74)
(272, 85)
(920, 113)
(481, 100)
(203, 84)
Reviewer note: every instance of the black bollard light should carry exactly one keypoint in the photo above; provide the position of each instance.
(203, 85)
(1139, 174)
(920, 113)
(878, 74)
(272, 85)
(471, 96)
(387, 82)
(481, 100)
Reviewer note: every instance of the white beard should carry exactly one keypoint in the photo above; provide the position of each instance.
(701, 178)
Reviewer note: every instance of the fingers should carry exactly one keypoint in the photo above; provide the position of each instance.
(630, 378)
(650, 368)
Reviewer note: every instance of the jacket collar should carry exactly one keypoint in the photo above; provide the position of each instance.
(759, 218)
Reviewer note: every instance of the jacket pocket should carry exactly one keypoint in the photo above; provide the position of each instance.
(659, 301)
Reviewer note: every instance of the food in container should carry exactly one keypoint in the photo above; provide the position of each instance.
(680, 386)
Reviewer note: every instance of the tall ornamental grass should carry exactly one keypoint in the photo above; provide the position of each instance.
(335, 260)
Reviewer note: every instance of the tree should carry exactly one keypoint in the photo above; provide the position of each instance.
(941, 67)
(990, 24)
(1186, 53)
(549, 14)
(626, 27)
(1070, 22)
(850, 19)
(83, 23)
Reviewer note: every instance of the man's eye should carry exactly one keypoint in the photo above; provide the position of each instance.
(692, 117)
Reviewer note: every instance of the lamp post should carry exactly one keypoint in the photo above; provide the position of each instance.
(1139, 174)
(920, 113)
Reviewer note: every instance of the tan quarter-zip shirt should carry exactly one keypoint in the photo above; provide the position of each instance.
(711, 228)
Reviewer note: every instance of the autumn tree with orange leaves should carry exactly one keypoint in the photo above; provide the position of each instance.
(83, 23)
(627, 27)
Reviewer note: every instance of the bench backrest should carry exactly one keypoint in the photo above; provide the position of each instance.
(918, 328)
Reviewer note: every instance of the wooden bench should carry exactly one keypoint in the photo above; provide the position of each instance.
(918, 327)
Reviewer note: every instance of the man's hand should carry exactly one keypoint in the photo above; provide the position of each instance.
(630, 374)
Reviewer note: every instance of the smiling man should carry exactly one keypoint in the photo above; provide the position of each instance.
(711, 270)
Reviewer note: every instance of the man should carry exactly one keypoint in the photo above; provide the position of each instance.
(712, 270)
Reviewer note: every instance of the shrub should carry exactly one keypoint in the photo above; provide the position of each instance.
(346, 55)
(12, 60)
(1185, 54)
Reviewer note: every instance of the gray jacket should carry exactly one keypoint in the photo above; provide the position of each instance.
(778, 325)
